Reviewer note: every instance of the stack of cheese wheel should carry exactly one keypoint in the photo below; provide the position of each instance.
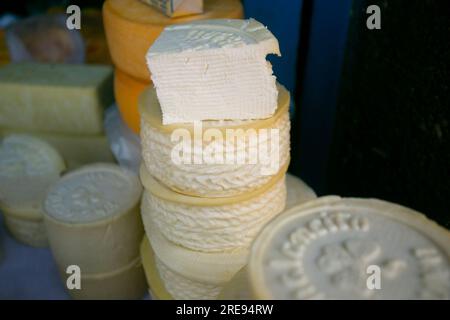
(28, 166)
(93, 224)
(200, 211)
(131, 27)
(346, 248)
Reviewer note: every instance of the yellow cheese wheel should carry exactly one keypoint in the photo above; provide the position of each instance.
(132, 26)
(127, 91)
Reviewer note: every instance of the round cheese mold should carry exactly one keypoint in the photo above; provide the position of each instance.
(347, 249)
(126, 283)
(28, 166)
(208, 224)
(131, 27)
(127, 90)
(92, 218)
(215, 179)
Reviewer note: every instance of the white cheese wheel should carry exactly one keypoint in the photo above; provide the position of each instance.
(213, 179)
(328, 248)
(28, 166)
(92, 218)
(297, 191)
(210, 224)
(125, 283)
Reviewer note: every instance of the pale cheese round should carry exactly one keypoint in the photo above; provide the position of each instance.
(297, 191)
(338, 248)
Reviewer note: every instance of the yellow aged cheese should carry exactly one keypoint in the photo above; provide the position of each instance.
(264, 145)
(132, 26)
(76, 150)
(28, 166)
(127, 282)
(327, 249)
(92, 218)
(59, 98)
(127, 91)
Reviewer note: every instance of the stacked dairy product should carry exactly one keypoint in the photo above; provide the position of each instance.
(215, 148)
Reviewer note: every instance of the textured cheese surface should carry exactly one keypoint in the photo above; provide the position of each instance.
(182, 288)
(93, 193)
(55, 98)
(210, 180)
(76, 150)
(206, 267)
(323, 251)
(213, 228)
(123, 18)
(28, 166)
(199, 72)
(29, 232)
(297, 191)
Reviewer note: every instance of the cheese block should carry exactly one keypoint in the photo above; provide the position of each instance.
(76, 150)
(127, 91)
(177, 8)
(55, 97)
(125, 283)
(347, 248)
(132, 26)
(214, 70)
(156, 287)
(27, 231)
(208, 224)
(214, 158)
(297, 191)
(92, 218)
(188, 274)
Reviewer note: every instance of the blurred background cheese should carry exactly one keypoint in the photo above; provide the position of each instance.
(127, 91)
(177, 8)
(28, 166)
(199, 72)
(92, 219)
(131, 26)
(55, 97)
(297, 191)
(206, 180)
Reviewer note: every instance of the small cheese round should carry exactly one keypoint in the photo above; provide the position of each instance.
(333, 248)
(28, 231)
(92, 218)
(211, 224)
(127, 90)
(265, 155)
(297, 191)
(132, 26)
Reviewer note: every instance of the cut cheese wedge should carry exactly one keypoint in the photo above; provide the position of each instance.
(125, 283)
(132, 26)
(208, 224)
(156, 287)
(214, 70)
(189, 159)
(55, 98)
(76, 150)
(297, 191)
(127, 91)
(327, 249)
(92, 218)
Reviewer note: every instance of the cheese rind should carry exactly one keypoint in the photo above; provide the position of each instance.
(212, 228)
(199, 74)
(55, 97)
(92, 218)
(213, 180)
(123, 18)
(331, 242)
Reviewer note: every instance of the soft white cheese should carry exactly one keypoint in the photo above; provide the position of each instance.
(214, 70)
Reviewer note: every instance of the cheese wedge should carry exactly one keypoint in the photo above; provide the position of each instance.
(125, 283)
(297, 191)
(92, 218)
(132, 26)
(210, 178)
(127, 91)
(156, 287)
(334, 248)
(55, 97)
(214, 70)
(76, 150)
(188, 274)
(208, 224)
